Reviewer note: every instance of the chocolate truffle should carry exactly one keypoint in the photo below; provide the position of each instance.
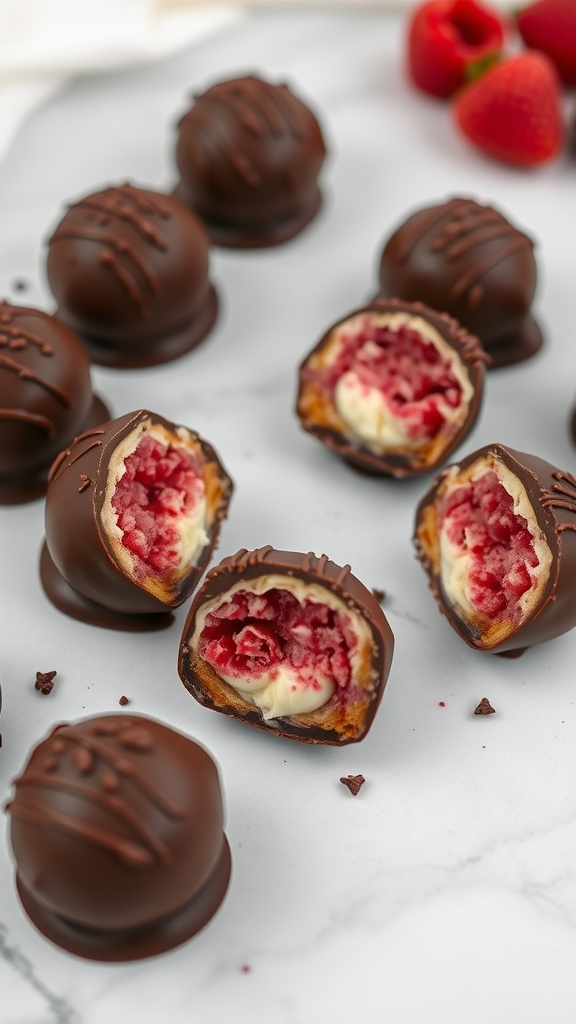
(116, 826)
(133, 512)
(45, 398)
(290, 643)
(393, 388)
(129, 270)
(249, 154)
(497, 536)
(468, 260)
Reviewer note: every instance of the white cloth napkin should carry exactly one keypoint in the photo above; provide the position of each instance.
(44, 43)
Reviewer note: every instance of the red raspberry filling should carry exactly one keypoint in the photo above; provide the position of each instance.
(478, 519)
(160, 485)
(412, 375)
(252, 635)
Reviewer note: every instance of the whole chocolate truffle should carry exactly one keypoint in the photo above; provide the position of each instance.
(129, 270)
(290, 643)
(116, 826)
(249, 154)
(133, 512)
(393, 388)
(497, 536)
(468, 260)
(45, 398)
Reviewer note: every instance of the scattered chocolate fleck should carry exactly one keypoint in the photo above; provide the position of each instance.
(45, 682)
(20, 285)
(484, 708)
(353, 782)
(380, 595)
(441, 703)
(123, 701)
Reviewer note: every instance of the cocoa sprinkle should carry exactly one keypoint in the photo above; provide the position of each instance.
(353, 782)
(484, 708)
(45, 682)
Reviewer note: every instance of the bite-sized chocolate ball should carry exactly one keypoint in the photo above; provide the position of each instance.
(129, 270)
(133, 513)
(45, 398)
(393, 388)
(249, 154)
(116, 827)
(290, 643)
(497, 536)
(467, 260)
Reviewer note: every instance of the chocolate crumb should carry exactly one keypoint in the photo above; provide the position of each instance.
(45, 682)
(123, 701)
(20, 285)
(484, 708)
(379, 594)
(353, 782)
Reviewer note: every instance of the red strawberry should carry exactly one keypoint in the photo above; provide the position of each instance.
(550, 26)
(445, 37)
(513, 110)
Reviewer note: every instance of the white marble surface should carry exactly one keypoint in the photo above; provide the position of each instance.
(445, 892)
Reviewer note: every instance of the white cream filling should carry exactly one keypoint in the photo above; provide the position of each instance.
(367, 412)
(282, 691)
(456, 565)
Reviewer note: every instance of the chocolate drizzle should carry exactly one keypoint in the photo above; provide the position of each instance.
(263, 110)
(64, 461)
(125, 259)
(15, 339)
(561, 495)
(103, 769)
(463, 225)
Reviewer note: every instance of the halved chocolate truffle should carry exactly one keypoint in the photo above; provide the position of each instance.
(497, 536)
(468, 260)
(249, 154)
(290, 643)
(393, 388)
(116, 826)
(129, 270)
(45, 398)
(133, 512)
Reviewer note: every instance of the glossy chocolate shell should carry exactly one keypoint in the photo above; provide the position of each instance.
(348, 714)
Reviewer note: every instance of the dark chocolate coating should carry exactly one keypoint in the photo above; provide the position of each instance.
(313, 400)
(78, 551)
(129, 270)
(45, 398)
(552, 495)
(249, 154)
(329, 724)
(116, 827)
(468, 260)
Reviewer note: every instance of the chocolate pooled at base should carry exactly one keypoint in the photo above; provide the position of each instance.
(116, 829)
(468, 260)
(290, 643)
(249, 154)
(46, 398)
(129, 269)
